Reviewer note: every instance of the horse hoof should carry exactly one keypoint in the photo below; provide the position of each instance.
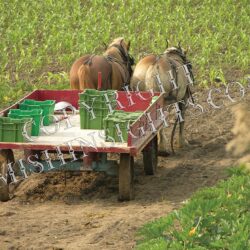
(163, 153)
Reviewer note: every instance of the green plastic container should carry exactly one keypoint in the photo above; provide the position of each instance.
(97, 99)
(116, 129)
(117, 124)
(126, 115)
(11, 130)
(47, 106)
(87, 121)
(99, 96)
(98, 102)
(35, 114)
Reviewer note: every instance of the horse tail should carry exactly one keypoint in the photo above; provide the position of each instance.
(74, 83)
(84, 77)
(73, 77)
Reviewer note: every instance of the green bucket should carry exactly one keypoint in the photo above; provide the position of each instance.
(117, 129)
(47, 106)
(88, 121)
(35, 114)
(90, 95)
(12, 129)
(119, 120)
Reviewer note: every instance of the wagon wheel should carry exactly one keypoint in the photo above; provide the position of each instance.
(6, 156)
(126, 177)
(150, 159)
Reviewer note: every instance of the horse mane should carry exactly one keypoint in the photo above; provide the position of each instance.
(176, 51)
(119, 42)
(116, 41)
(171, 50)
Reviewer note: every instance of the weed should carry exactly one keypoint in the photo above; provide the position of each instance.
(41, 39)
(214, 218)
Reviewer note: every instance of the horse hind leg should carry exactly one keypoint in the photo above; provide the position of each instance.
(163, 143)
(84, 78)
(182, 141)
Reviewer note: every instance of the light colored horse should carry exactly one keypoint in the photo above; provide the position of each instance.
(114, 65)
(166, 73)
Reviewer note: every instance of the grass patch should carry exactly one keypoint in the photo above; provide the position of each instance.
(214, 218)
(41, 39)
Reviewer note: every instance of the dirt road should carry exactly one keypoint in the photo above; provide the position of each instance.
(85, 214)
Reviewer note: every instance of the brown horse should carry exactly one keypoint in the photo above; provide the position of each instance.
(166, 73)
(114, 65)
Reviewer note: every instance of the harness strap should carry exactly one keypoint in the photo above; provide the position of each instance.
(111, 60)
(89, 60)
(128, 60)
(174, 68)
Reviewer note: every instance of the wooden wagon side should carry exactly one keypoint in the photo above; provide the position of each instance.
(138, 142)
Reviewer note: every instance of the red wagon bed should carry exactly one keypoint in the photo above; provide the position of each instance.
(142, 137)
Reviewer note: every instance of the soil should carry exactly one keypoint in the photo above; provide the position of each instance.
(85, 213)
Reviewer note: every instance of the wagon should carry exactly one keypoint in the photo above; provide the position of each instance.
(88, 147)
